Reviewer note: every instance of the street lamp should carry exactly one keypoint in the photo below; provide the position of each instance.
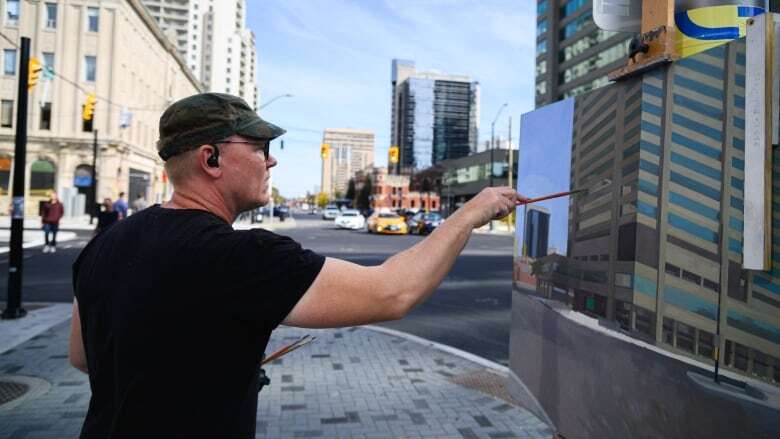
(269, 102)
(270, 178)
(493, 139)
(492, 146)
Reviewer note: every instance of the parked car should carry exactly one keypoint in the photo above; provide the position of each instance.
(330, 212)
(282, 212)
(424, 223)
(350, 219)
(389, 223)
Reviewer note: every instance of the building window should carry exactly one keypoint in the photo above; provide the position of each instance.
(51, 15)
(691, 277)
(672, 269)
(541, 7)
(90, 67)
(572, 6)
(541, 67)
(667, 332)
(711, 285)
(6, 113)
(705, 346)
(9, 61)
(575, 26)
(12, 12)
(644, 321)
(624, 280)
(760, 364)
(541, 88)
(541, 27)
(740, 357)
(46, 116)
(582, 44)
(685, 337)
(623, 314)
(541, 47)
(603, 58)
(93, 19)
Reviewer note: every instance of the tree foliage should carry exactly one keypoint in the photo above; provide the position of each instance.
(351, 192)
(364, 197)
(322, 200)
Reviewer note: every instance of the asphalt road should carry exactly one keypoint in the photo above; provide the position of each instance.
(469, 311)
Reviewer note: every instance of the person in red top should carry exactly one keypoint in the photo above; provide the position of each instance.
(50, 218)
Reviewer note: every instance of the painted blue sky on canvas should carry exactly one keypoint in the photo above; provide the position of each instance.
(334, 56)
(544, 165)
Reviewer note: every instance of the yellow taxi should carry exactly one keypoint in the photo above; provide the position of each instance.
(387, 222)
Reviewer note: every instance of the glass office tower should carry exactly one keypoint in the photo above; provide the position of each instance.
(434, 116)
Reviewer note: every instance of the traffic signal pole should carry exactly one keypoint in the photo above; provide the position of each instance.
(14, 308)
(94, 209)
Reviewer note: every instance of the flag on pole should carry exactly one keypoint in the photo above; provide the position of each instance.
(125, 118)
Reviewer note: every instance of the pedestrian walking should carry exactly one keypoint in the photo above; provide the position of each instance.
(120, 206)
(174, 308)
(107, 216)
(139, 204)
(51, 213)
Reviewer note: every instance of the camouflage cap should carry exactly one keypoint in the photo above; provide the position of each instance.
(209, 117)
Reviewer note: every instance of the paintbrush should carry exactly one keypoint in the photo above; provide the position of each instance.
(547, 197)
(303, 341)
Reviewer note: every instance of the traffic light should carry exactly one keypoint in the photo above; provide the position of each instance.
(325, 150)
(89, 107)
(394, 154)
(33, 73)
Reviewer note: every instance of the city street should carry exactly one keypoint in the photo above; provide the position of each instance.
(470, 311)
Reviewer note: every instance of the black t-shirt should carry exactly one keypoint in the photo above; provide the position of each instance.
(176, 310)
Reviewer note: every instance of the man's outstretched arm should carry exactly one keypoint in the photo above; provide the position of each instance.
(346, 294)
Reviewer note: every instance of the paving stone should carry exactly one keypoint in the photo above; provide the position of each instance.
(420, 404)
(483, 421)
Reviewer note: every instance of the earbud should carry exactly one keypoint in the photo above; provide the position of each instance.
(213, 160)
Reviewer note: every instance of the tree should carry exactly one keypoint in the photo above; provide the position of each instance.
(351, 192)
(278, 199)
(364, 198)
(322, 200)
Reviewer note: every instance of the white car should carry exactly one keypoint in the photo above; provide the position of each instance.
(330, 213)
(350, 219)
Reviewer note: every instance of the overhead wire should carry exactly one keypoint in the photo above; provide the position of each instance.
(86, 91)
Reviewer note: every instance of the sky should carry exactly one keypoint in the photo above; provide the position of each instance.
(334, 57)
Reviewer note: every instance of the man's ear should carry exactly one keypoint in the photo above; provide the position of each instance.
(208, 157)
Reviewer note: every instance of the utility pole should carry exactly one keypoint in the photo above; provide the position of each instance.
(14, 308)
(511, 167)
(94, 209)
(492, 147)
(510, 152)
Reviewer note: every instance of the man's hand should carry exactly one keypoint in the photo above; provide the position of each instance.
(491, 203)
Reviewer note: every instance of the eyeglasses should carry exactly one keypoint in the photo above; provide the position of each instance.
(265, 146)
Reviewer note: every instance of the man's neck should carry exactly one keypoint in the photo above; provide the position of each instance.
(181, 200)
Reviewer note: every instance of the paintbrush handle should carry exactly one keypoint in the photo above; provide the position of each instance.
(546, 197)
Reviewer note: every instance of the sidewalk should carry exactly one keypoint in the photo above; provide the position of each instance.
(33, 223)
(351, 382)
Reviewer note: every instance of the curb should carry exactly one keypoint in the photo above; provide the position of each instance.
(442, 347)
(37, 321)
(61, 237)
